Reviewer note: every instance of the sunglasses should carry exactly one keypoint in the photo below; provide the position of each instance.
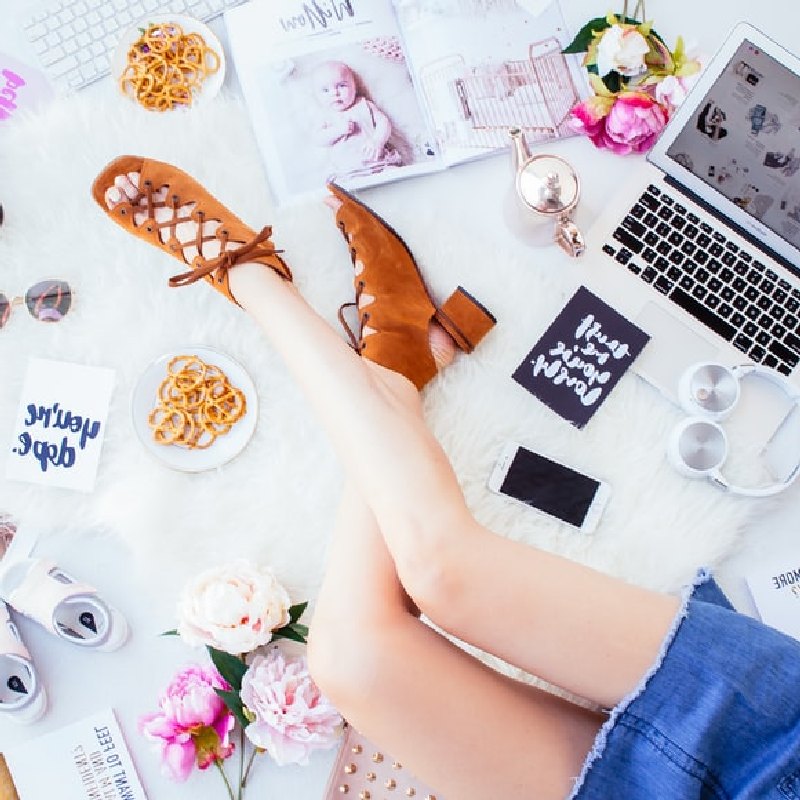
(46, 301)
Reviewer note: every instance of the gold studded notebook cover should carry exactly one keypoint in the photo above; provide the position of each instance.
(364, 771)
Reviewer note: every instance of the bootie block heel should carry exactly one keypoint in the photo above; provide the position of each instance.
(168, 197)
(395, 307)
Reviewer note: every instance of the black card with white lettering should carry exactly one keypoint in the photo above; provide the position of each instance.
(580, 357)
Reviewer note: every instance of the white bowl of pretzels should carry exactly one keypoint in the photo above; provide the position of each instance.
(194, 409)
(169, 61)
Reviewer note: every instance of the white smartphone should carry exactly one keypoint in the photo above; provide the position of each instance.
(550, 487)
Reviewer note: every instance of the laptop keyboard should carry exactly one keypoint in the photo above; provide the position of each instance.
(720, 284)
(75, 39)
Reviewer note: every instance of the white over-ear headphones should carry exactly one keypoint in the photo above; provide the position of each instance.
(698, 445)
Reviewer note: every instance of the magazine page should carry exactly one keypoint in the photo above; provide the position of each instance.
(330, 94)
(484, 66)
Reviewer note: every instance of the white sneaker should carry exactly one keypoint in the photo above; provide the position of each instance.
(71, 610)
(22, 696)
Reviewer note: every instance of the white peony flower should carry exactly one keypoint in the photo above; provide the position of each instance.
(622, 49)
(233, 608)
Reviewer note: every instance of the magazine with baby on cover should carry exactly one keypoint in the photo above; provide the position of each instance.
(364, 92)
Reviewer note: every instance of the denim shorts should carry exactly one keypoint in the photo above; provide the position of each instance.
(718, 715)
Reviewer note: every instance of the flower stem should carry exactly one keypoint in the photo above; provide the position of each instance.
(218, 762)
(241, 763)
(249, 767)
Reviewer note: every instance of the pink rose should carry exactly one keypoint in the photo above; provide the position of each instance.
(631, 124)
(291, 717)
(192, 725)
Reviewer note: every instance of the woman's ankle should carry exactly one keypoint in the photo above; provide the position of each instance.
(443, 348)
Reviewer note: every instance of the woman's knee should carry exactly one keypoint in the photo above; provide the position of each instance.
(430, 565)
(346, 657)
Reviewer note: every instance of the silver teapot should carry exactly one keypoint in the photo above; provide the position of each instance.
(543, 198)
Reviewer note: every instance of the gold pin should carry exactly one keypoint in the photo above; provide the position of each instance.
(411, 791)
(377, 757)
(397, 765)
(357, 748)
(365, 795)
(350, 768)
(344, 789)
(391, 783)
(371, 776)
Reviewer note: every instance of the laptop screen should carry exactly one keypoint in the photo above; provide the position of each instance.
(743, 140)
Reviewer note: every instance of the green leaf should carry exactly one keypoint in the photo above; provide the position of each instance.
(613, 81)
(234, 705)
(599, 86)
(173, 632)
(296, 611)
(580, 44)
(294, 631)
(232, 668)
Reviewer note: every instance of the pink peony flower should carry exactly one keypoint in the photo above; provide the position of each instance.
(634, 122)
(192, 725)
(291, 717)
(631, 123)
(589, 117)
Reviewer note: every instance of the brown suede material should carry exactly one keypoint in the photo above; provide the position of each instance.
(402, 311)
(465, 320)
(187, 190)
(7, 789)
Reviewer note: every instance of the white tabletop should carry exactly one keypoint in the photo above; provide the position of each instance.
(130, 679)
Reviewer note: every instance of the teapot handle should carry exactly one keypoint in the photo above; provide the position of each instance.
(568, 237)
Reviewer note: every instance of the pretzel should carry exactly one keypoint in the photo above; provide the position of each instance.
(195, 403)
(166, 67)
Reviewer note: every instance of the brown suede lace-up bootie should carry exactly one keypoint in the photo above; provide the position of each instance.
(395, 323)
(162, 186)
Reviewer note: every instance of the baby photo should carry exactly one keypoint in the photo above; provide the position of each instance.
(349, 112)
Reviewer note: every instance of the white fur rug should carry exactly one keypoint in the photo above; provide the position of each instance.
(276, 501)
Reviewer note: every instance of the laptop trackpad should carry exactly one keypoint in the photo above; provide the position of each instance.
(671, 349)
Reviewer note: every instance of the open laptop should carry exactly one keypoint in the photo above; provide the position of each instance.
(702, 248)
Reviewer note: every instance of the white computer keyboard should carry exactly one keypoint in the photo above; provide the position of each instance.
(75, 39)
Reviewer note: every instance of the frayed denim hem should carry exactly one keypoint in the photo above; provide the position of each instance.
(599, 744)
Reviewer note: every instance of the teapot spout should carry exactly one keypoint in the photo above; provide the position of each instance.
(519, 149)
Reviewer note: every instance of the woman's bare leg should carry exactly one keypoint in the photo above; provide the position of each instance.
(587, 632)
(408, 688)
(541, 612)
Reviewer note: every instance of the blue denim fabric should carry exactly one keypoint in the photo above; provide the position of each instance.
(718, 716)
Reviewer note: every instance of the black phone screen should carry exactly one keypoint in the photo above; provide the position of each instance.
(553, 488)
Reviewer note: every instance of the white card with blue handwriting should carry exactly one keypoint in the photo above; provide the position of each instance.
(60, 425)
